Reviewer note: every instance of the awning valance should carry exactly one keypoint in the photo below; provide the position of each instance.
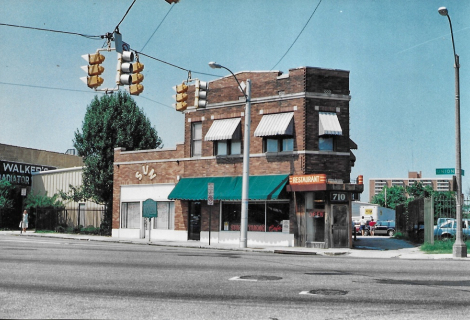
(229, 188)
(329, 124)
(275, 125)
(224, 129)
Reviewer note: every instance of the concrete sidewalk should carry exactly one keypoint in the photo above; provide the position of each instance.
(364, 247)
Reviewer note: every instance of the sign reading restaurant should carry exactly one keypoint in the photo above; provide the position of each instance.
(307, 179)
(20, 173)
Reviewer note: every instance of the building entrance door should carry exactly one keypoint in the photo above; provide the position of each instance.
(340, 225)
(194, 223)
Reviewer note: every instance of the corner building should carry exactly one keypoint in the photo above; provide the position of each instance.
(300, 156)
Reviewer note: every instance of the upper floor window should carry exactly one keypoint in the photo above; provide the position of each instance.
(196, 139)
(226, 134)
(279, 144)
(277, 131)
(329, 128)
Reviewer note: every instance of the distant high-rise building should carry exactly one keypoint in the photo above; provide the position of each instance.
(376, 185)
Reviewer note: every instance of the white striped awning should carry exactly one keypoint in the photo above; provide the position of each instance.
(329, 124)
(275, 125)
(225, 129)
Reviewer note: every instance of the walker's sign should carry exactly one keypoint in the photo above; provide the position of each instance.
(307, 179)
(20, 173)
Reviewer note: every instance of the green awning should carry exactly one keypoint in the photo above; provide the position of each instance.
(229, 188)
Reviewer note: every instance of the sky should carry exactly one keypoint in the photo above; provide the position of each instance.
(399, 54)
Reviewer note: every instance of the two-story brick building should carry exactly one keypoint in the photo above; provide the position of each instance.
(300, 162)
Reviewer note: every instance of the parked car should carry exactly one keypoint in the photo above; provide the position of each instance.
(448, 229)
(385, 228)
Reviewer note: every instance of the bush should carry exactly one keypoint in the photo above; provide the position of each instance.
(400, 235)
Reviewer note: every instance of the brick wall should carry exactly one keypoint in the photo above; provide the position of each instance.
(302, 91)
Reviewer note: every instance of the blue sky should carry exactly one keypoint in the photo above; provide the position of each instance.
(399, 54)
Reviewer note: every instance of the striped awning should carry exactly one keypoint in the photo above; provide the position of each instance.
(275, 125)
(329, 124)
(225, 129)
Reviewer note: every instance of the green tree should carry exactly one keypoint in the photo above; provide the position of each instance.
(6, 194)
(111, 121)
(34, 201)
(417, 190)
(390, 197)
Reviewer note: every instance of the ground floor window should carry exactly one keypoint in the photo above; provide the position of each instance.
(263, 216)
(166, 216)
(130, 215)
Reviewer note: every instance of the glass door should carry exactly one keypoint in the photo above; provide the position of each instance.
(194, 223)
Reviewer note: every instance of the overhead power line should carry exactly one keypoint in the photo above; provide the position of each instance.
(56, 31)
(157, 28)
(175, 66)
(117, 27)
(298, 35)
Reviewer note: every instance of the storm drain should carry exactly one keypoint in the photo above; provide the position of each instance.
(256, 278)
(325, 292)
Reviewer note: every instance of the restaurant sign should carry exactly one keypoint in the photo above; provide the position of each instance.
(307, 179)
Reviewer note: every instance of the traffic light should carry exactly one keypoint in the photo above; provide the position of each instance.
(181, 97)
(125, 67)
(136, 88)
(94, 69)
(200, 94)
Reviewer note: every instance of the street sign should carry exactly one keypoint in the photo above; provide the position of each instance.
(149, 209)
(448, 171)
(210, 194)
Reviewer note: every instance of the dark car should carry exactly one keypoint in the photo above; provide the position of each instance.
(385, 228)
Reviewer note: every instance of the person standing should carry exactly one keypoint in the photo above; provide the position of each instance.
(24, 221)
(363, 225)
(372, 226)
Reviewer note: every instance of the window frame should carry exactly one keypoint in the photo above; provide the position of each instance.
(280, 143)
(229, 147)
(196, 126)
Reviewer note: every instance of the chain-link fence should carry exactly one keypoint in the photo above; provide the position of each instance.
(410, 219)
(67, 220)
(61, 220)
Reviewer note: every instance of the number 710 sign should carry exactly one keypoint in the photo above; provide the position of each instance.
(339, 197)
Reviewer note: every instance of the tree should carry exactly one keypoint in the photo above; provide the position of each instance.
(417, 190)
(6, 194)
(390, 197)
(111, 121)
(38, 201)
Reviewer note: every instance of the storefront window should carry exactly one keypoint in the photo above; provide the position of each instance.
(263, 216)
(275, 214)
(130, 215)
(166, 214)
(315, 216)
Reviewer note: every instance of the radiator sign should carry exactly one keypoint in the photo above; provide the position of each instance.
(20, 173)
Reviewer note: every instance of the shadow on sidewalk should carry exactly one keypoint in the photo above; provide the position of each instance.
(381, 243)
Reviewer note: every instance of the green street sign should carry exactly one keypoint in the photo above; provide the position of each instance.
(448, 171)
(149, 209)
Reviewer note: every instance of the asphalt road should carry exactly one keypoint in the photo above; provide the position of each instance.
(59, 278)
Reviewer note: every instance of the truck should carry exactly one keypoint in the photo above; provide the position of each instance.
(369, 211)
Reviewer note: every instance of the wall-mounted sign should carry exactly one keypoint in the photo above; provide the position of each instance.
(145, 172)
(306, 179)
(20, 173)
(339, 197)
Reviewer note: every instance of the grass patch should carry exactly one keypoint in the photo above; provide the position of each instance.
(440, 247)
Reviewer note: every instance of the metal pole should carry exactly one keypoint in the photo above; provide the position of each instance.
(459, 249)
(210, 223)
(246, 169)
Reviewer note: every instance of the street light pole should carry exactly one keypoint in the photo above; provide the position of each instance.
(459, 250)
(246, 157)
